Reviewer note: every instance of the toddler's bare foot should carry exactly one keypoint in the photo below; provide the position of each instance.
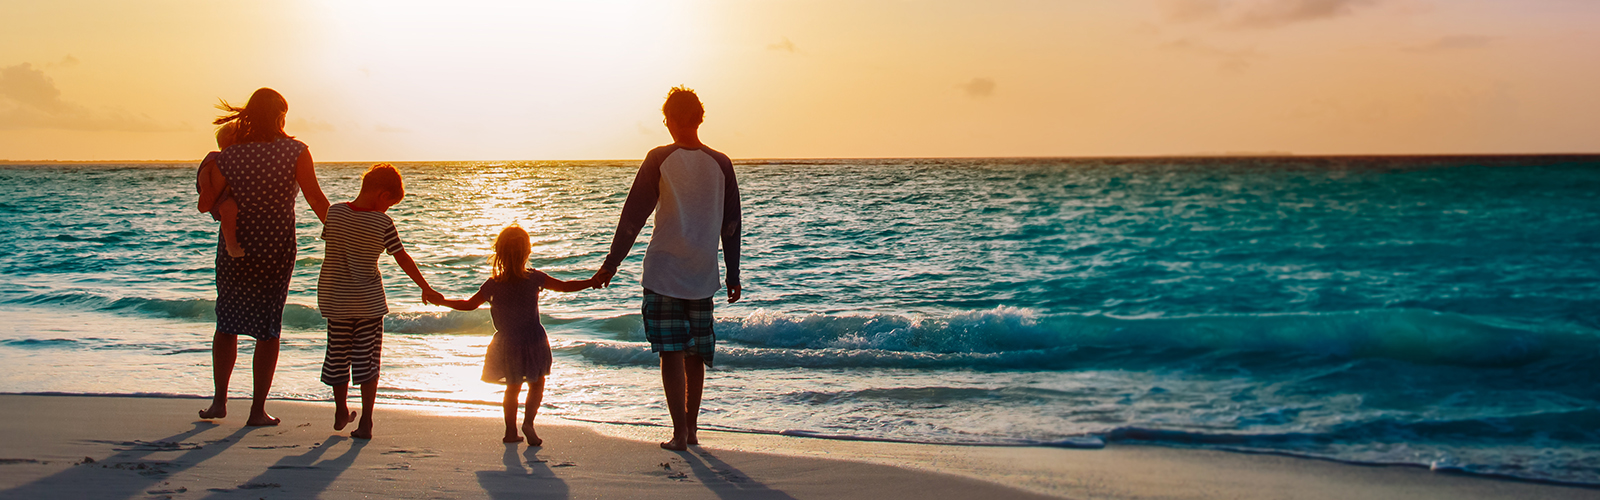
(235, 251)
(342, 417)
(533, 437)
(262, 420)
(361, 433)
(217, 410)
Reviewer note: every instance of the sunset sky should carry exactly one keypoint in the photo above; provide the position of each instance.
(531, 80)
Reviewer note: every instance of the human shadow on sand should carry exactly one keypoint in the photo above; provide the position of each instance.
(726, 481)
(136, 475)
(300, 475)
(525, 476)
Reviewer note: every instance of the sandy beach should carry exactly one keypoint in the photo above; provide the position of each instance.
(122, 447)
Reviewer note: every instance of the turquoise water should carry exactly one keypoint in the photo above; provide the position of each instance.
(1437, 312)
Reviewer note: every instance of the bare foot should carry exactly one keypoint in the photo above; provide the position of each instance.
(341, 418)
(262, 420)
(217, 410)
(533, 437)
(361, 433)
(235, 251)
(694, 440)
(511, 438)
(674, 445)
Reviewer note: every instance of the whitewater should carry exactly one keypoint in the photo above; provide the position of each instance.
(1427, 311)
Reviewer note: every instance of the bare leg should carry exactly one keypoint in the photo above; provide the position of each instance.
(342, 415)
(228, 211)
(510, 407)
(535, 398)
(369, 396)
(224, 353)
(265, 365)
(694, 369)
(673, 383)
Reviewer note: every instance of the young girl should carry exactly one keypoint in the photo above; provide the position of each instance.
(520, 350)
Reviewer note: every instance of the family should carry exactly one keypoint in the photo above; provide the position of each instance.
(249, 186)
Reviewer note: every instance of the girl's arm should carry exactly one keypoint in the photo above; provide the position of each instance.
(410, 267)
(551, 283)
(305, 173)
(463, 305)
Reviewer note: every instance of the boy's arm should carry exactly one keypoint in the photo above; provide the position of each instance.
(410, 267)
(470, 304)
(305, 173)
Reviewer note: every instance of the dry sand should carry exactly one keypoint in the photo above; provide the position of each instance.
(157, 448)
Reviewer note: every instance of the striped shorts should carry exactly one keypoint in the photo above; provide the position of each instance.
(672, 324)
(355, 351)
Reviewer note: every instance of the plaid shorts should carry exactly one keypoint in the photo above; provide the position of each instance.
(672, 324)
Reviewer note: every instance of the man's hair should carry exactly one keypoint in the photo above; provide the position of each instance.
(383, 177)
(683, 106)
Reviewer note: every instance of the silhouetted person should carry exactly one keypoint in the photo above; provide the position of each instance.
(692, 191)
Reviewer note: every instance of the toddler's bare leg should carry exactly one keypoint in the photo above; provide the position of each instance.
(228, 211)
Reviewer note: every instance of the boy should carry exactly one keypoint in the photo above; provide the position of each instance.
(215, 197)
(698, 204)
(350, 290)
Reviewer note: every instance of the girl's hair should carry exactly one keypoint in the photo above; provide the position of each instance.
(510, 259)
(258, 119)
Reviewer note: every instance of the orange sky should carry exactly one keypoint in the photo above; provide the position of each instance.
(369, 81)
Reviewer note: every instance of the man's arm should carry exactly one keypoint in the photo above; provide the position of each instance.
(732, 227)
(642, 198)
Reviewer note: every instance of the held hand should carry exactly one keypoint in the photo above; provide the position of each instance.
(602, 278)
(432, 297)
(733, 293)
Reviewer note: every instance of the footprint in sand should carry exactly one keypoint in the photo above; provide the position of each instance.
(413, 453)
(275, 447)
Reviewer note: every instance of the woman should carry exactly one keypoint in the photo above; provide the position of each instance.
(263, 168)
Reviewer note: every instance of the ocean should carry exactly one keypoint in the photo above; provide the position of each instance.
(1437, 312)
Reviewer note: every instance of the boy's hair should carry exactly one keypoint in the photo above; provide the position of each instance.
(383, 177)
(683, 106)
(510, 259)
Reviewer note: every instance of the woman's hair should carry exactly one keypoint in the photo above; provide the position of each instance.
(510, 259)
(683, 106)
(258, 119)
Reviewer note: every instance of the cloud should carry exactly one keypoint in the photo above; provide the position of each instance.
(978, 87)
(1455, 43)
(785, 45)
(1259, 14)
(30, 100)
(1230, 60)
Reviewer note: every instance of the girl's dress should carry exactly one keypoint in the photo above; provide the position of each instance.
(520, 349)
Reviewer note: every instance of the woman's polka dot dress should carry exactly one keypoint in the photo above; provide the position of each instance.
(251, 290)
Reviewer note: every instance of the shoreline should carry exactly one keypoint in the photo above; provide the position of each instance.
(156, 446)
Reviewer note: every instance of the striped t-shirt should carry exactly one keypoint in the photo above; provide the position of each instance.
(350, 286)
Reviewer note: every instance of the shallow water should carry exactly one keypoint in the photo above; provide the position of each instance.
(1428, 311)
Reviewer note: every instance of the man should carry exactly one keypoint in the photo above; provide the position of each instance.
(692, 191)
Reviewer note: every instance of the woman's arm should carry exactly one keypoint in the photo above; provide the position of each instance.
(305, 172)
(463, 305)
